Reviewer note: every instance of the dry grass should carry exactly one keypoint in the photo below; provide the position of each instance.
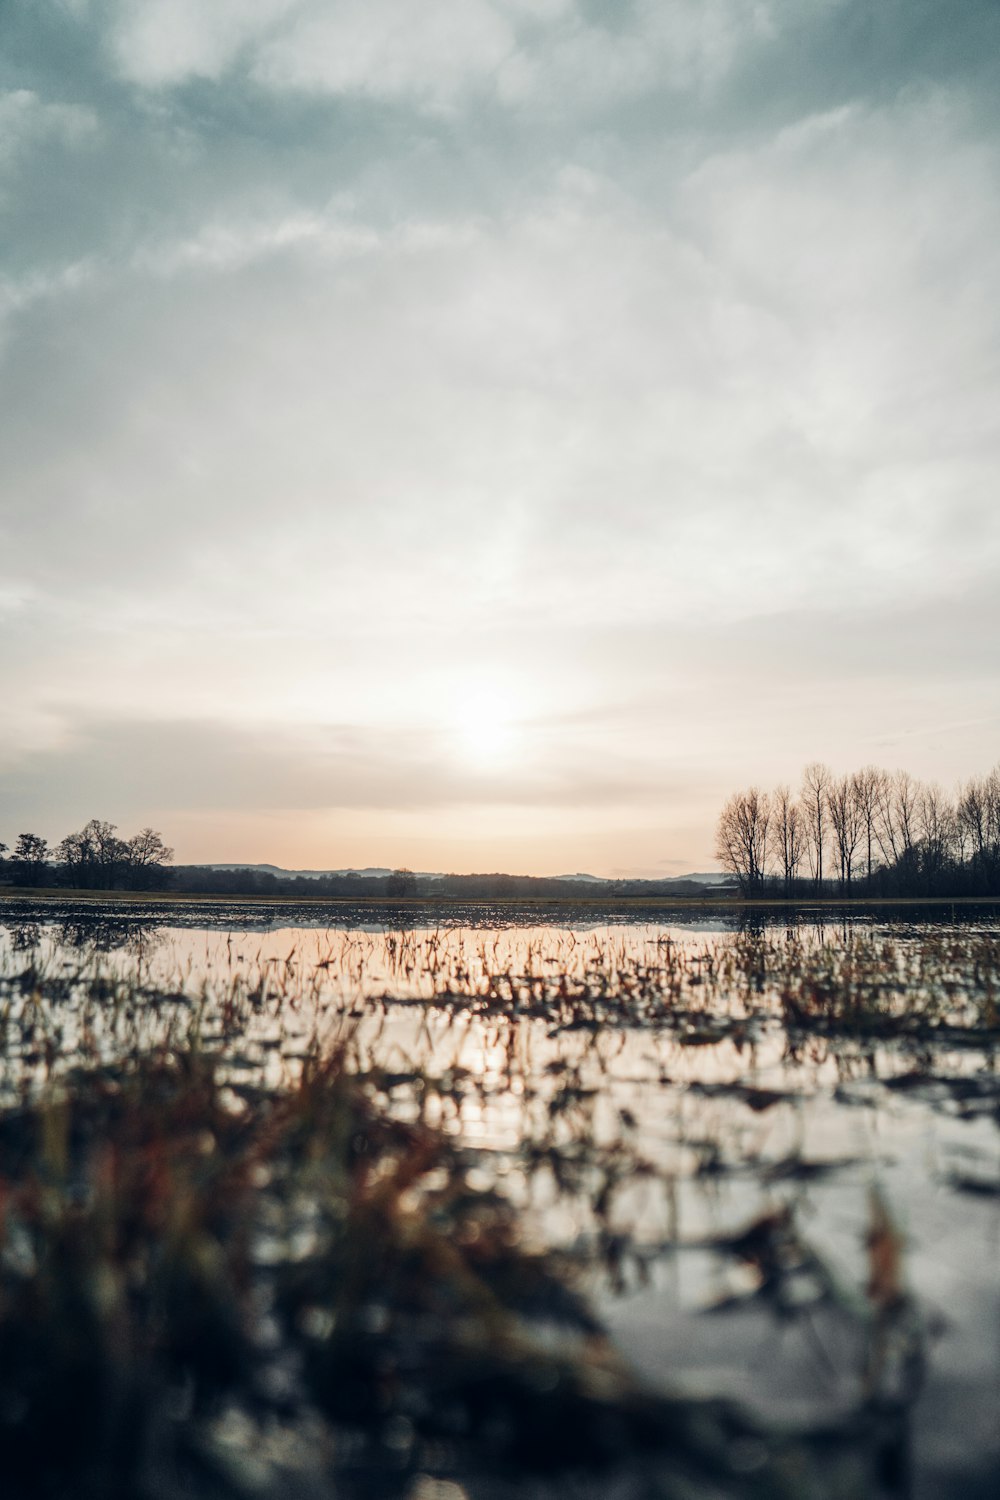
(240, 1256)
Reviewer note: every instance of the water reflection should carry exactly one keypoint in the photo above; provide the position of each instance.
(709, 1119)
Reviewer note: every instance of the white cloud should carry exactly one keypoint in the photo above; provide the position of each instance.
(337, 416)
(433, 52)
(436, 54)
(26, 120)
(163, 42)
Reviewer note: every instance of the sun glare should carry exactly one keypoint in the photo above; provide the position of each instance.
(486, 729)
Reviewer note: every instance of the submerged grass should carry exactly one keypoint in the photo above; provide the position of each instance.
(175, 1260)
(242, 1255)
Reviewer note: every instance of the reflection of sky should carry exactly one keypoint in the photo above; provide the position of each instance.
(484, 443)
(503, 1081)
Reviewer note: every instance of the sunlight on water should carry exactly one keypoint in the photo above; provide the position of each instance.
(644, 1093)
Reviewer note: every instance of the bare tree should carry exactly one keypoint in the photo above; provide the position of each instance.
(788, 835)
(742, 838)
(145, 856)
(816, 782)
(884, 820)
(866, 791)
(925, 841)
(897, 804)
(94, 857)
(978, 822)
(936, 832)
(846, 820)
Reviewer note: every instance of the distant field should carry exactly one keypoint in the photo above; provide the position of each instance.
(584, 903)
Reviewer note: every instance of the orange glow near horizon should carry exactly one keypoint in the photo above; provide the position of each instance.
(523, 841)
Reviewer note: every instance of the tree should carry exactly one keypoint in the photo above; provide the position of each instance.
(30, 859)
(74, 855)
(788, 835)
(742, 838)
(95, 857)
(844, 807)
(978, 820)
(898, 802)
(937, 825)
(401, 882)
(866, 790)
(925, 842)
(816, 782)
(145, 857)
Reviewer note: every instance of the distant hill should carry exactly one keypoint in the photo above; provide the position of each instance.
(381, 872)
(372, 872)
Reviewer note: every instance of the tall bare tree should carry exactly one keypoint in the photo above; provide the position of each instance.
(937, 825)
(898, 801)
(978, 821)
(925, 841)
(816, 782)
(788, 835)
(846, 821)
(866, 790)
(742, 838)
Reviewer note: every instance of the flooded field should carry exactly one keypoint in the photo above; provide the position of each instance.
(706, 1207)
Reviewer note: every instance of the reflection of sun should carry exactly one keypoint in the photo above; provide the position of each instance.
(485, 728)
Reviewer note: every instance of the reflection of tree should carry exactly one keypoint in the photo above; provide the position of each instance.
(25, 937)
(109, 935)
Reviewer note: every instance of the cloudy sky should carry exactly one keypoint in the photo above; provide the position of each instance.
(484, 433)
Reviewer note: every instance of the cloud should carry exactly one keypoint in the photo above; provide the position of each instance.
(160, 42)
(432, 55)
(214, 767)
(639, 360)
(27, 121)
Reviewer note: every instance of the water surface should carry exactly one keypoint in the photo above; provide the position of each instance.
(644, 1091)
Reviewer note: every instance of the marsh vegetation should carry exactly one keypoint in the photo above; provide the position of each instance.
(646, 1209)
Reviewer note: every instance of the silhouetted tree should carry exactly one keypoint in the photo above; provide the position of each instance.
(866, 786)
(30, 861)
(788, 835)
(96, 858)
(816, 782)
(846, 821)
(913, 838)
(145, 857)
(978, 824)
(742, 838)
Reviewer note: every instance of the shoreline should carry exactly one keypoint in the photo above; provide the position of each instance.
(46, 895)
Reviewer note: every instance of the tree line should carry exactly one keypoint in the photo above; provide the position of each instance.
(868, 833)
(93, 859)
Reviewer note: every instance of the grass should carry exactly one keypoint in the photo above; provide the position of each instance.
(240, 1255)
(175, 1259)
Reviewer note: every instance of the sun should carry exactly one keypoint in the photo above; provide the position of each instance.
(484, 724)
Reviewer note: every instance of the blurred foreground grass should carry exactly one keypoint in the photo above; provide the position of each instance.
(212, 1285)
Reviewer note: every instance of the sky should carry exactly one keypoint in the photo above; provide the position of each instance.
(482, 434)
